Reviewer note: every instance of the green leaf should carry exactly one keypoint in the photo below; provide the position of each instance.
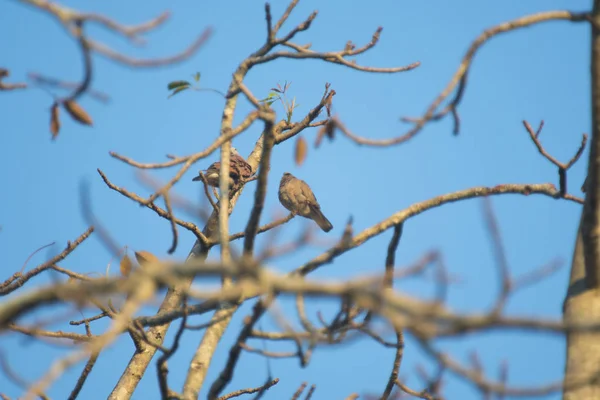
(177, 90)
(197, 76)
(270, 99)
(177, 84)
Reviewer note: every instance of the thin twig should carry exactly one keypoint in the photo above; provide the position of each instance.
(261, 389)
(13, 283)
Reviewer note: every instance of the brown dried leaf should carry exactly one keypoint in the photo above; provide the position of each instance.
(330, 128)
(77, 112)
(300, 151)
(54, 120)
(145, 257)
(326, 130)
(319, 137)
(126, 265)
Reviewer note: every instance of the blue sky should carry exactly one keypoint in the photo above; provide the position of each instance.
(536, 73)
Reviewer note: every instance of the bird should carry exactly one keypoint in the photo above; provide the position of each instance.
(239, 170)
(297, 197)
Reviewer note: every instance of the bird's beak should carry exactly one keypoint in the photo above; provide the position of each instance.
(198, 178)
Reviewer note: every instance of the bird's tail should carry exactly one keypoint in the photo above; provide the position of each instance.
(317, 216)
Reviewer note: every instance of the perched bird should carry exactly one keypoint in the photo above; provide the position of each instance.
(296, 196)
(239, 170)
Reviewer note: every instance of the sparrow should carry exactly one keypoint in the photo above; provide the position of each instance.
(239, 170)
(295, 195)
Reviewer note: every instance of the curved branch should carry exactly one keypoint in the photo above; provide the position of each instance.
(546, 189)
(460, 77)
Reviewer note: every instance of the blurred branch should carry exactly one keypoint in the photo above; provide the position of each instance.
(36, 332)
(388, 284)
(161, 363)
(9, 86)
(19, 279)
(42, 80)
(75, 23)
(458, 82)
(234, 353)
(71, 18)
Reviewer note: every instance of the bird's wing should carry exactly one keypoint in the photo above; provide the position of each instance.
(241, 166)
(216, 166)
(307, 194)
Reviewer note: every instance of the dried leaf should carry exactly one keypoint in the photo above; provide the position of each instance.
(326, 130)
(145, 257)
(330, 129)
(126, 265)
(300, 151)
(54, 120)
(77, 112)
(178, 84)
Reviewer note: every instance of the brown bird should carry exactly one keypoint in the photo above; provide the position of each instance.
(239, 170)
(296, 196)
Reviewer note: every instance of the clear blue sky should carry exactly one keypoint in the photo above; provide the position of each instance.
(537, 73)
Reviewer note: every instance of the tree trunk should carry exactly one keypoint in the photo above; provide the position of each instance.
(582, 303)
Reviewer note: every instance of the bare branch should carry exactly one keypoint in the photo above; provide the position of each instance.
(151, 62)
(189, 160)
(18, 280)
(161, 363)
(159, 211)
(260, 389)
(42, 80)
(234, 353)
(84, 375)
(546, 189)
(264, 228)
(9, 86)
(261, 187)
(460, 77)
(562, 167)
(388, 283)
